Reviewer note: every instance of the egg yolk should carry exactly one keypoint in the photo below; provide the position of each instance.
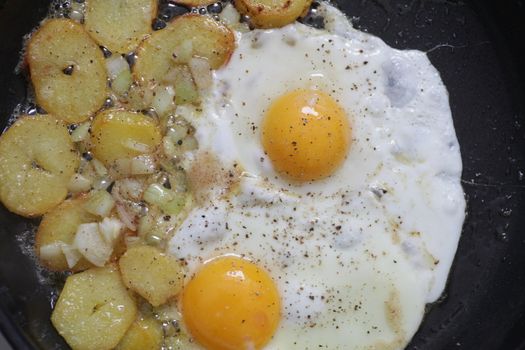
(231, 304)
(306, 135)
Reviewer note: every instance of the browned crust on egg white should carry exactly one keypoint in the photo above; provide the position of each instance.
(272, 13)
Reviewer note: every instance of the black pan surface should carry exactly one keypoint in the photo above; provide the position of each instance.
(477, 46)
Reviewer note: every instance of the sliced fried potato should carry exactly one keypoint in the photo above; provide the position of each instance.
(94, 310)
(144, 334)
(37, 159)
(67, 70)
(119, 25)
(60, 226)
(153, 275)
(272, 13)
(201, 35)
(118, 134)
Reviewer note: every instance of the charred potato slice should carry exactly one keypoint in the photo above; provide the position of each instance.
(153, 275)
(144, 334)
(118, 134)
(201, 35)
(94, 310)
(119, 25)
(60, 226)
(67, 70)
(272, 13)
(37, 159)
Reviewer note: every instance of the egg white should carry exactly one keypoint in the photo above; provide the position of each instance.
(356, 256)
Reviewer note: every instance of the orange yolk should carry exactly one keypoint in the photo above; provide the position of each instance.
(306, 135)
(231, 304)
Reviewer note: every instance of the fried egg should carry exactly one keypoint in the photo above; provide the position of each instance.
(327, 183)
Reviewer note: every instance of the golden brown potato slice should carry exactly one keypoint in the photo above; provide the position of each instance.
(144, 334)
(37, 159)
(118, 134)
(94, 310)
(60, 225)
(188, 35)
(153, 275)
(272, 13)
(119, 25)
(67, 70)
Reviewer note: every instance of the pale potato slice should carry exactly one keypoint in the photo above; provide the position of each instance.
(272, 13)
(37, 159)
(118, 134)
(119, 25)
(94, 310)
(202, 36)
(144, 334)
(67, 70)
(60, 226)
(152, 274)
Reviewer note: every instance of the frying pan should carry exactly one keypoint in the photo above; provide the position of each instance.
(476, 46)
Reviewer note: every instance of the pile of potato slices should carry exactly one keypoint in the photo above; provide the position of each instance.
(101, 163)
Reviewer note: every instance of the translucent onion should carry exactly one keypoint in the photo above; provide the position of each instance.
(163, 100)
(143, 165)
(126, 218)
(137, 146)
(110, 229)
(115, 65)
(81, 133)
(201, 71)
(90, 244)
(79, 183)
(100, 203)
(229, 15)
(51, 251)
(72, 255)
(99, 168)
(122, 82)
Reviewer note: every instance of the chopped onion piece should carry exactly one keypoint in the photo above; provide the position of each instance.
(123, 166)
(81, 133)
(163, 100)
(72, 255)
(201, 71)
(169, 148)
(156, 194)
(79, 183)
(122, 82)
(100, 203)
(137, 146)
(100, 169)
(110, 229)
(115, 65)
(126, 218)
(90, 244)
(129, 189)
(229, 15)
(102, 183)
(51, 251)
(143, 165)
(167, 200)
